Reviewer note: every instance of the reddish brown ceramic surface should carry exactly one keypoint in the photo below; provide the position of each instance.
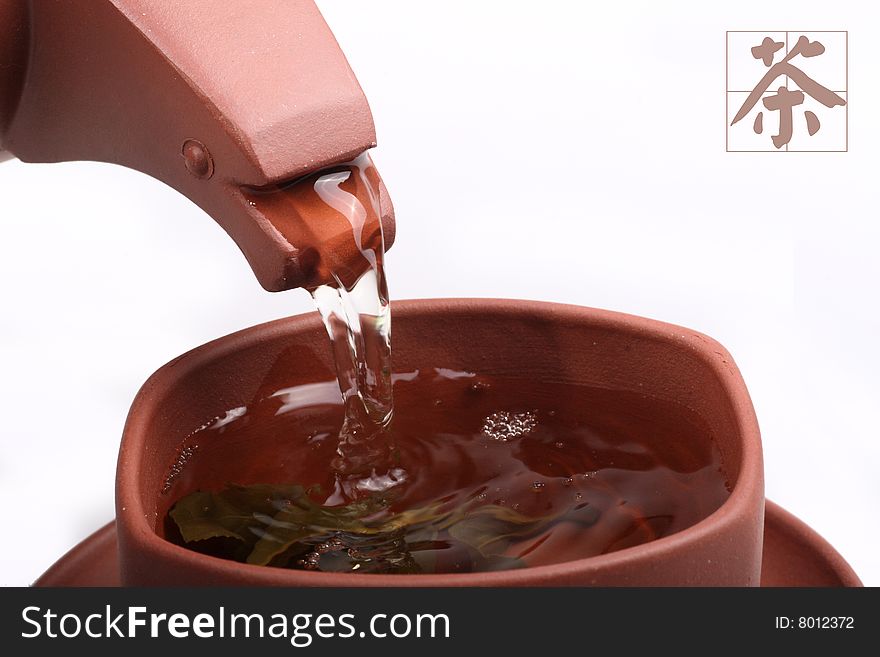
(793, 555)
(260, 85)
(536, 341)
(14, 33)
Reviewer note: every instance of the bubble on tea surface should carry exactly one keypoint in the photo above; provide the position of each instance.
(479, 386)
(504, 425)
(176, 469)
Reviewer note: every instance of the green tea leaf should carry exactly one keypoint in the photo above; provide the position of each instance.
(196, 517)
(278, 537)
(279, 525)
(230, 513)
(491, 529)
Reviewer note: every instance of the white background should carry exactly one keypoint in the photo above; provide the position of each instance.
(541, 150)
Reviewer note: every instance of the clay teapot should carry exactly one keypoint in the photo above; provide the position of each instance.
(213, 99)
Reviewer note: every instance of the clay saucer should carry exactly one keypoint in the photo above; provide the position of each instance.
(794, 555)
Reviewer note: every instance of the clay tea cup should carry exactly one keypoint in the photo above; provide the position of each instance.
(529, 340)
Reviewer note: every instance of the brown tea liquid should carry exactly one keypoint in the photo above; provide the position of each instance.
(487, 474)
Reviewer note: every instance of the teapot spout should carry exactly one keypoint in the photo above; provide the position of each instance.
(208, 96)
